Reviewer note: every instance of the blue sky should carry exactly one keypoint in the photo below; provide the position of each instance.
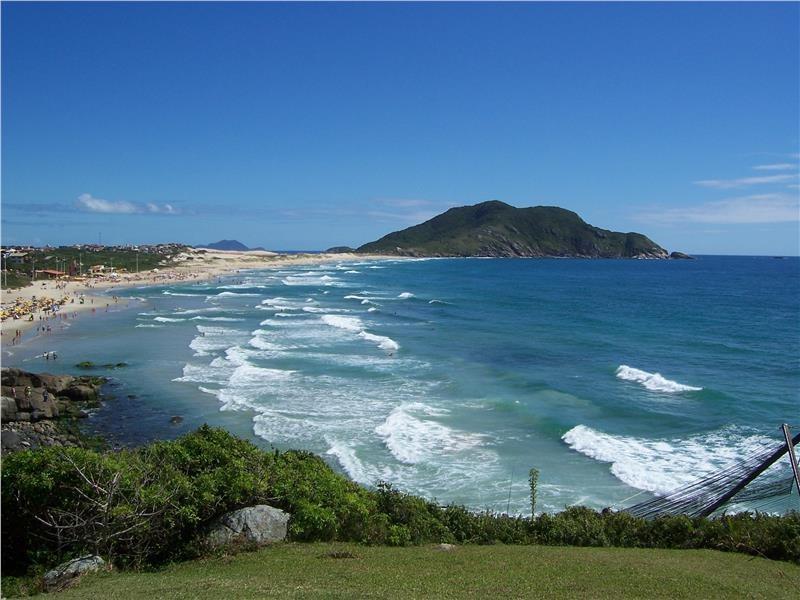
(310, 125)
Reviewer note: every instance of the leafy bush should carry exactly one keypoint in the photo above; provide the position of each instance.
(151, 505)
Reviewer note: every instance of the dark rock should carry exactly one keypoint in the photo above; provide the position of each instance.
(681, 256)
(37, 415)
(81, 392)
(176, 419)
(11, 441)
(8, 409)
(23, 416)
(12, 376)
(255, 525)
(55, 384)
(340, 250)
(68, 573)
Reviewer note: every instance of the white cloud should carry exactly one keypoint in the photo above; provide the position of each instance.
(412, 218)
(757, 208)
(725, 184)
(98, 205)
(776, 167)
(165, 209)
(122, 207)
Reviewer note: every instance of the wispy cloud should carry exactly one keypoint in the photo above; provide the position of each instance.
(725, 184)
(89, 203)
(411, 218)
(776, 167)
(756, 208)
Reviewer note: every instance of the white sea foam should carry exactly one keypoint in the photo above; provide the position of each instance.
(435, 301)
(353, 324)
(383, 342)
(193, 311)
(312, 278)
(249, 375)
(662, 465)
(282, 304)
(150, 326)
(412, 437)
(352, 272)
(169, 293)
(653, 381)
(371, 309)
(202, 374)
(214, 338)
(355, 468)
(168, 320)
(228, 319)
(236, 294)
(405, 295)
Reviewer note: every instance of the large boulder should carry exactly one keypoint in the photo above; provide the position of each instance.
(49, 408)
(252, 526)
(10, 441)
(17, 377)
(81, 392)
(56, 384)
(8, 409)
(68, 573)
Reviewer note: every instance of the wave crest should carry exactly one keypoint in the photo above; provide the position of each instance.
(654, 382)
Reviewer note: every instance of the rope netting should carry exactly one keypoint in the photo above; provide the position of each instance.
(704, 496)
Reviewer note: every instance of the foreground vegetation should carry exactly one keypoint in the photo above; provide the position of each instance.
(323, 570)
(149, 507)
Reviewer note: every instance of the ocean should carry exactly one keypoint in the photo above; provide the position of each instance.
(451, 378)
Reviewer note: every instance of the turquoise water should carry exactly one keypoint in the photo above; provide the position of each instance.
(451, 378)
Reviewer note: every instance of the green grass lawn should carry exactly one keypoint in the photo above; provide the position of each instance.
(315, 571)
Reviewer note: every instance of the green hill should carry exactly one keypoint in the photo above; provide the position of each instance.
(498, 229)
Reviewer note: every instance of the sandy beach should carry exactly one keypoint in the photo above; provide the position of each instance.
(76, 297)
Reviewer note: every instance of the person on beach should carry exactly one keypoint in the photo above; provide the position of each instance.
(28, 392)
(13, 392)
(45, 396)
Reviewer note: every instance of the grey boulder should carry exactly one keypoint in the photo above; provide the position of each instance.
(255, 525)
(69, 572)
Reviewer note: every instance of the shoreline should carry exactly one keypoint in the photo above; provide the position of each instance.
(195, 266)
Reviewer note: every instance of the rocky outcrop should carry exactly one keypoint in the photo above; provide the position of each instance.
(680, 256)
(30, 400)
(23, 435)
(252, 526)
(68, 573)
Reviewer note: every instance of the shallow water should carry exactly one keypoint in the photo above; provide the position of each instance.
(452, 378)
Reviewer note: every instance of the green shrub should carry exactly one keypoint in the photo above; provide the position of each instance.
(151, 505)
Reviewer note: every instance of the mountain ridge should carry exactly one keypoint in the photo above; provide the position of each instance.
(229, 245)
(497, 229)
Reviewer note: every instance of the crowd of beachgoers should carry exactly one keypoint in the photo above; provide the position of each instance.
(23, 308)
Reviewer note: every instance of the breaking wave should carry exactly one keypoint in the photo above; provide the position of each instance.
(654, 382)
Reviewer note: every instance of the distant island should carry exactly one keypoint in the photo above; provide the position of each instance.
(498, 229)
(234, 245)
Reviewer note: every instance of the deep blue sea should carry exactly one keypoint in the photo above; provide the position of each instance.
(452, 378)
